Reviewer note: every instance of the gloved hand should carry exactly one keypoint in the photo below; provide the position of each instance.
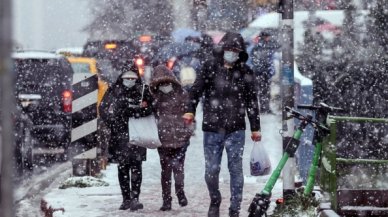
(256, 136)
(188, 118)
(144, 104)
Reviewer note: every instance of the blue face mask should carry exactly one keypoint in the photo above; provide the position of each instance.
(129, 82)
(230, 56)
(166, 88)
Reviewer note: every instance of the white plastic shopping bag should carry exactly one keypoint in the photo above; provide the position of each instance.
(260, 163)
(144, 132)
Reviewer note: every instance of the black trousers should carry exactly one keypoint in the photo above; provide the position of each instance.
(130, 178)
(172, 162)
(264, 93)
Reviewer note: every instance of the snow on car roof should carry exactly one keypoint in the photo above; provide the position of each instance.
(71, 50)
(35, 55)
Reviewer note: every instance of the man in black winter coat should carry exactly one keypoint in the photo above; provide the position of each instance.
(124, 100)
(228, 86)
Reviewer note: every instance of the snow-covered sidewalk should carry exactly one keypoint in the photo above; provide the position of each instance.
(105, 200)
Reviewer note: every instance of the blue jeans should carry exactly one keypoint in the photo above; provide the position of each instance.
(214, 144)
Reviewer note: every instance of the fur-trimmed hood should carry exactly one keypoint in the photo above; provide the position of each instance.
(162, 74)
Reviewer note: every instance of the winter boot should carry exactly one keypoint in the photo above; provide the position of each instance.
(182, 200)
(135, 204)
(166, 205)
(214, 210)
(233, 213)
(125, 205)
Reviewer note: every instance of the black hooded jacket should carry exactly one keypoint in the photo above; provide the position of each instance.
(228, 93)
(118, 105)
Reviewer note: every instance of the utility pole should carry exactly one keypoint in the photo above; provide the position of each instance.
(6, 97)
(199, 14)
(182, 10)
(287, 89)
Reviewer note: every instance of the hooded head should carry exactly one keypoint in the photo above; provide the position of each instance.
(162, 75)
(129, 76)
(234, 42)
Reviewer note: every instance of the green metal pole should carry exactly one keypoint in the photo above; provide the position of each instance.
(278, 170)
(313, 170)
(298, 133)
(275, 175)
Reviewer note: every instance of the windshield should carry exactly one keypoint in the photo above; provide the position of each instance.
(80, 67)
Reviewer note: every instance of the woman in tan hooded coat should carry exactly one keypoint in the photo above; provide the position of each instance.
(170, 101)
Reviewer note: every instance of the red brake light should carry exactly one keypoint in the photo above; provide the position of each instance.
(67, 98)
(280, 201)
(170, 63)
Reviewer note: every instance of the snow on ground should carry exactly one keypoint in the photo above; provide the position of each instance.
(105, 200)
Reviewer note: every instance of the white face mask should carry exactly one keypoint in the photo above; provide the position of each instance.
(129, 82)
(166, 88)
(230, 56)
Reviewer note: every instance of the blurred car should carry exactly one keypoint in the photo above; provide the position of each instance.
(118, 52)
(25, 141)
(46, 76)
(110, 55)
(146, 48)
(89, 66)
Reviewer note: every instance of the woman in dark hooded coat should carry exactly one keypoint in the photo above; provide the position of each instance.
(170, 101)
(124, 100)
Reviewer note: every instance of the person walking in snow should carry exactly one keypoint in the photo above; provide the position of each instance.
(121, 101)
(170, 100)
(229, 90)
(263, 66)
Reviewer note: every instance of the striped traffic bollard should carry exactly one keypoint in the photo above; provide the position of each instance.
(84, 112)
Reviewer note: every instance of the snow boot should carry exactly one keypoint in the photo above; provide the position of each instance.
(214, 211)
(135, 205)
(166, 206)
(182, 200)
(125, 205)
(233, 213)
